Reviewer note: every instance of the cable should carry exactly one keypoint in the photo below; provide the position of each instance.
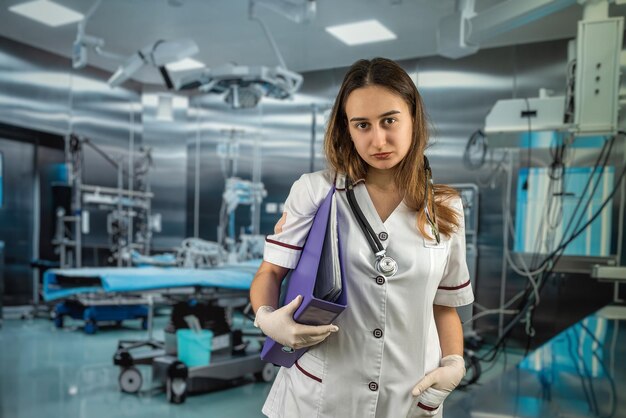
(593, 218)
(478, 140)
(570, 85)
(555, 256)
(595, 187)
(545, 263)
(493, 174)
(527, 305)
(589, 180)
(490, 312)
(548, 264)
(509, 226)
(574, 359)
(606, 371)
(530, 140)
(514, 266)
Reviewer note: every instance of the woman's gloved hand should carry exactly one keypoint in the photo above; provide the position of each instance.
(435, 387)
(278, 324)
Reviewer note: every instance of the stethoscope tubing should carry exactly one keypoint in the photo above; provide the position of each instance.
(370, 235)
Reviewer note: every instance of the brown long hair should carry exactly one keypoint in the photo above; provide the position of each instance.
(410, 176)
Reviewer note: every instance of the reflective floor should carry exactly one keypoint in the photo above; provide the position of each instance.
(579, 373)
(49, 372)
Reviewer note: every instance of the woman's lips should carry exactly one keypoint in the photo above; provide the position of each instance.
(382, 155)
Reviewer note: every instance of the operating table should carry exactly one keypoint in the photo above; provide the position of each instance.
(114, 294)
(228, 284)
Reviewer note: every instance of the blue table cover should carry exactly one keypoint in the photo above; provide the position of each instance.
(136, 279)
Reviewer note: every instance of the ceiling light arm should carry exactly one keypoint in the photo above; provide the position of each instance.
(92, 10)
(84, 41)
(106, 54)
(157, 54)
(270, 38)
(302, 12)
(83, 23)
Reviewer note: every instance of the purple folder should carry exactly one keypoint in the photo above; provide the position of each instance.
(312, 311)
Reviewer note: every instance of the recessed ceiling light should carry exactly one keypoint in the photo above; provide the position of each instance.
(364, 32)
(184, 65)
(47, 12)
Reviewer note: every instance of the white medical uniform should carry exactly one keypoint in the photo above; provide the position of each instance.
(387, 339)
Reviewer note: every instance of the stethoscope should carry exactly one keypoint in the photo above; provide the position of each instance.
(384, 264)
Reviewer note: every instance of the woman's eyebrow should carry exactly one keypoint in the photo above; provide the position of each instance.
(391, 112)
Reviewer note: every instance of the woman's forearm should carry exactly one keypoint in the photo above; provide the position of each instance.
(265, 287)
(449, 329)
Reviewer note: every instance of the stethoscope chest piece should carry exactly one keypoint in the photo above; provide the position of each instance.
(386, 266)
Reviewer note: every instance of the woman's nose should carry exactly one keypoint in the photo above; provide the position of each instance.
(379, 137)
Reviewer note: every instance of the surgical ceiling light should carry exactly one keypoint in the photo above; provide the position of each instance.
(244, 86)
(47, 12)
(364, 32)
(159, 54)
(185, 64)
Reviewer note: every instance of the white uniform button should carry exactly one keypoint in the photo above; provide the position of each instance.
(373, 386)
(383, 236)
(378, 333)
(380, 280)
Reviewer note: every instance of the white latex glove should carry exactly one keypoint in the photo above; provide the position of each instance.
(279, 326)
(435, 387)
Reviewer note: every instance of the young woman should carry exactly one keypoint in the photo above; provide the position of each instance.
(397, 349)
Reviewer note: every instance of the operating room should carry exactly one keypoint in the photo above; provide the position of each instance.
(148, 147)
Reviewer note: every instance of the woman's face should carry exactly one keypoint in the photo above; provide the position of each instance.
(380, 125)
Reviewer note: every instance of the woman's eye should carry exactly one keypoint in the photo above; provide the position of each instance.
(389, 121)
(361, 125)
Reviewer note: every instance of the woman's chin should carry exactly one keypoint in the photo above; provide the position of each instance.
(383, 164)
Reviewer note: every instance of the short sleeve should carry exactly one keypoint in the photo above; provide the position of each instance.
(306, 195)
(455, 288)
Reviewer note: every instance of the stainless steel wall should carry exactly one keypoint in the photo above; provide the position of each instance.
(35, 92)
(16, 214)
(165, 130)
(211, 123)
(41, 92)
(284, 129)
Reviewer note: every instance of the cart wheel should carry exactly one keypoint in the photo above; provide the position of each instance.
(267, 373)
(58, 321)
(130, 380)
(90, 327)
(176, 389)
